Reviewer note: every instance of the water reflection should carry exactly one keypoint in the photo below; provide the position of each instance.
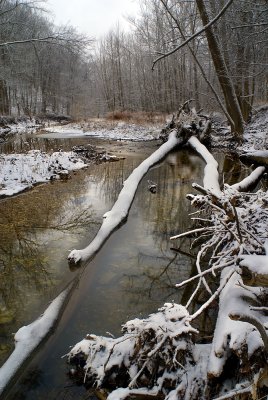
(21, 143)
(132, 275)
(33, 227)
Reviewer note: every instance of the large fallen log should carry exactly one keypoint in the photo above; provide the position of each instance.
(176, 134)
(157, 357)
(254, 269)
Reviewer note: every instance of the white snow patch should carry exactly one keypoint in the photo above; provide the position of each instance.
(258, 264)
(121, 131)
(21, 171)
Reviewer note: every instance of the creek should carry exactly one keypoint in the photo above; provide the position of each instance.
(133, 274)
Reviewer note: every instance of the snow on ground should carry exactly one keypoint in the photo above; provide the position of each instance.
(19, 172)
(256, 133)
(29, 125)
(112, 131)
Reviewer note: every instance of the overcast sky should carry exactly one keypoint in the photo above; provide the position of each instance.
(93, 17)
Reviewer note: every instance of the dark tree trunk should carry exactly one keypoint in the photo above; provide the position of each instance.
(4, 100)
(223, 75)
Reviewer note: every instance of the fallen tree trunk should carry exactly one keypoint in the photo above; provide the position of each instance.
(255, 269)
(157, 357)
(176, 134)
(254, 279)
(119, 212)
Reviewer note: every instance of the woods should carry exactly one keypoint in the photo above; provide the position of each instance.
(43, 68)
(50, 69)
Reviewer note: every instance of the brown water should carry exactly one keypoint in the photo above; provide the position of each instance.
(134, 273)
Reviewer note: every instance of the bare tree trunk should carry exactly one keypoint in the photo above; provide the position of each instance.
(227, 86)
(4, 101)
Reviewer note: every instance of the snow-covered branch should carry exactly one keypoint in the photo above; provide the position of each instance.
(250, 181)
(211, 175)
(29, 337)
(121, 207)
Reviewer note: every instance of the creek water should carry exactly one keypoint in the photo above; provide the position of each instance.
(133, 274)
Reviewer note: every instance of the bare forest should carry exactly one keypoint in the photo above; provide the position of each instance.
(50, 69)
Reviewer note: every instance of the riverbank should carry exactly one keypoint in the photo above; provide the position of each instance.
(20, 172)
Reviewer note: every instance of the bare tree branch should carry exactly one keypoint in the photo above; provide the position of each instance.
(195, 35)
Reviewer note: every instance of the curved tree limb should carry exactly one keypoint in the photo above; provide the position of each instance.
(253, 321)
(195, 35)
(121, 207)
(203, 73)
(250, 180)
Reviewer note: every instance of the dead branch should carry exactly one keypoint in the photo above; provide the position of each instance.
(251, 181)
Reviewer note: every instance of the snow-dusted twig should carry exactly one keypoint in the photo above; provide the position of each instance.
(207, 271)
(213, 297)
(189, 302)
(235, 393)
(198, 258)
(197, 230)
(149, 355)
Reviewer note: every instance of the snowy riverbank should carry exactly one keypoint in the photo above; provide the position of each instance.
(104, 129)
(19, 172)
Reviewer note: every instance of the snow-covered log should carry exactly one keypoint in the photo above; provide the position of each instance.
(211, 175)
(255, 268)
(119, 212)
(157, 357)
(29, 337)
(250, 181)
(230, 334)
